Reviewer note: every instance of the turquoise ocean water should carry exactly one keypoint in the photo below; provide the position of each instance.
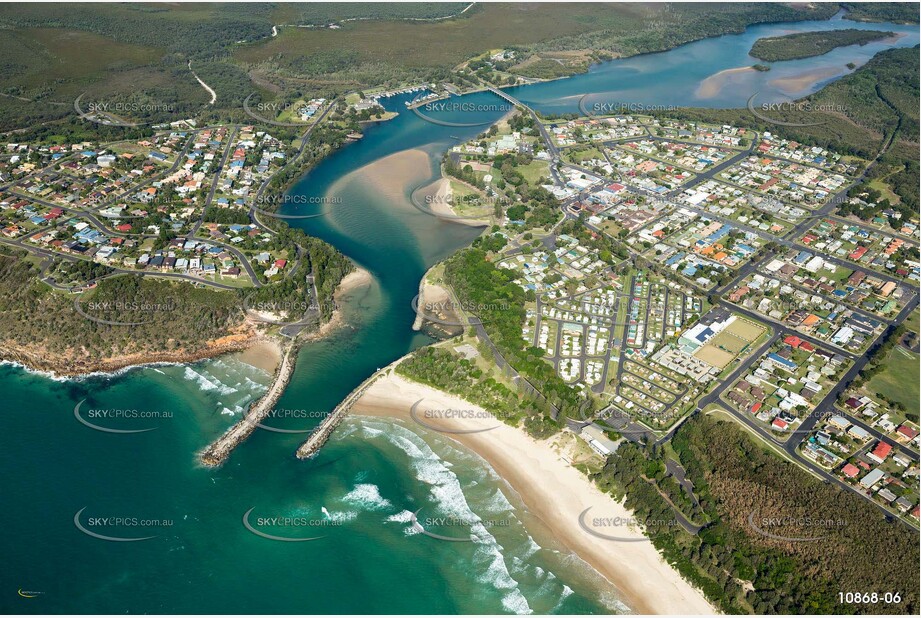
(360, 493)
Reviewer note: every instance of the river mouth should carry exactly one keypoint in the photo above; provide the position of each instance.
(372, 476)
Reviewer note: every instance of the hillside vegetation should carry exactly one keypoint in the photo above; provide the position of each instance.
(808, 44)
(138, 54)
(736, 483)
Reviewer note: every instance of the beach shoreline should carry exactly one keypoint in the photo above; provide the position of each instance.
(552, 490)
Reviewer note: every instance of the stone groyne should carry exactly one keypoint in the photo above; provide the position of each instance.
(326, 427)
(220, 449)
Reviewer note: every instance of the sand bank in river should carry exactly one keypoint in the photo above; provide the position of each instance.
(713, 85)
(795, 84)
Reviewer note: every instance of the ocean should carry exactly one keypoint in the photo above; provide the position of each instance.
(206, 532)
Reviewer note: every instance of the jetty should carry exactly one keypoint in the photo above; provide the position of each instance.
(220, 449)
(328, 425)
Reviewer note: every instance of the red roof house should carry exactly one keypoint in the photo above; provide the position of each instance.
(881, 451)
(850, 470)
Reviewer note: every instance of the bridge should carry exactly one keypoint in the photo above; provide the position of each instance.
(551, 148)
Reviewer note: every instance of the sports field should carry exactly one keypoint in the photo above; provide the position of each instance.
(726, 345)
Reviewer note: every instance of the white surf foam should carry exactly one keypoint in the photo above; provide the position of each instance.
(206, 384)
(367, 496)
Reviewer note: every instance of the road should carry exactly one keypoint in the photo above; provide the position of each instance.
(244, 262)
(259, 197)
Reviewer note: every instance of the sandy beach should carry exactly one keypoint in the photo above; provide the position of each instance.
(554, 492)
(712, 86)
(265, 355)
(356, 279)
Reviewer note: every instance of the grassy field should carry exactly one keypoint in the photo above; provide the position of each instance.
(880, 185)
(534, 171)
(899, 381)
(913, 321)
(580, 154)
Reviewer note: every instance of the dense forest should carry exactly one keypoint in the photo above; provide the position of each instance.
(742, 488)
(895, 12)
(807, 44)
